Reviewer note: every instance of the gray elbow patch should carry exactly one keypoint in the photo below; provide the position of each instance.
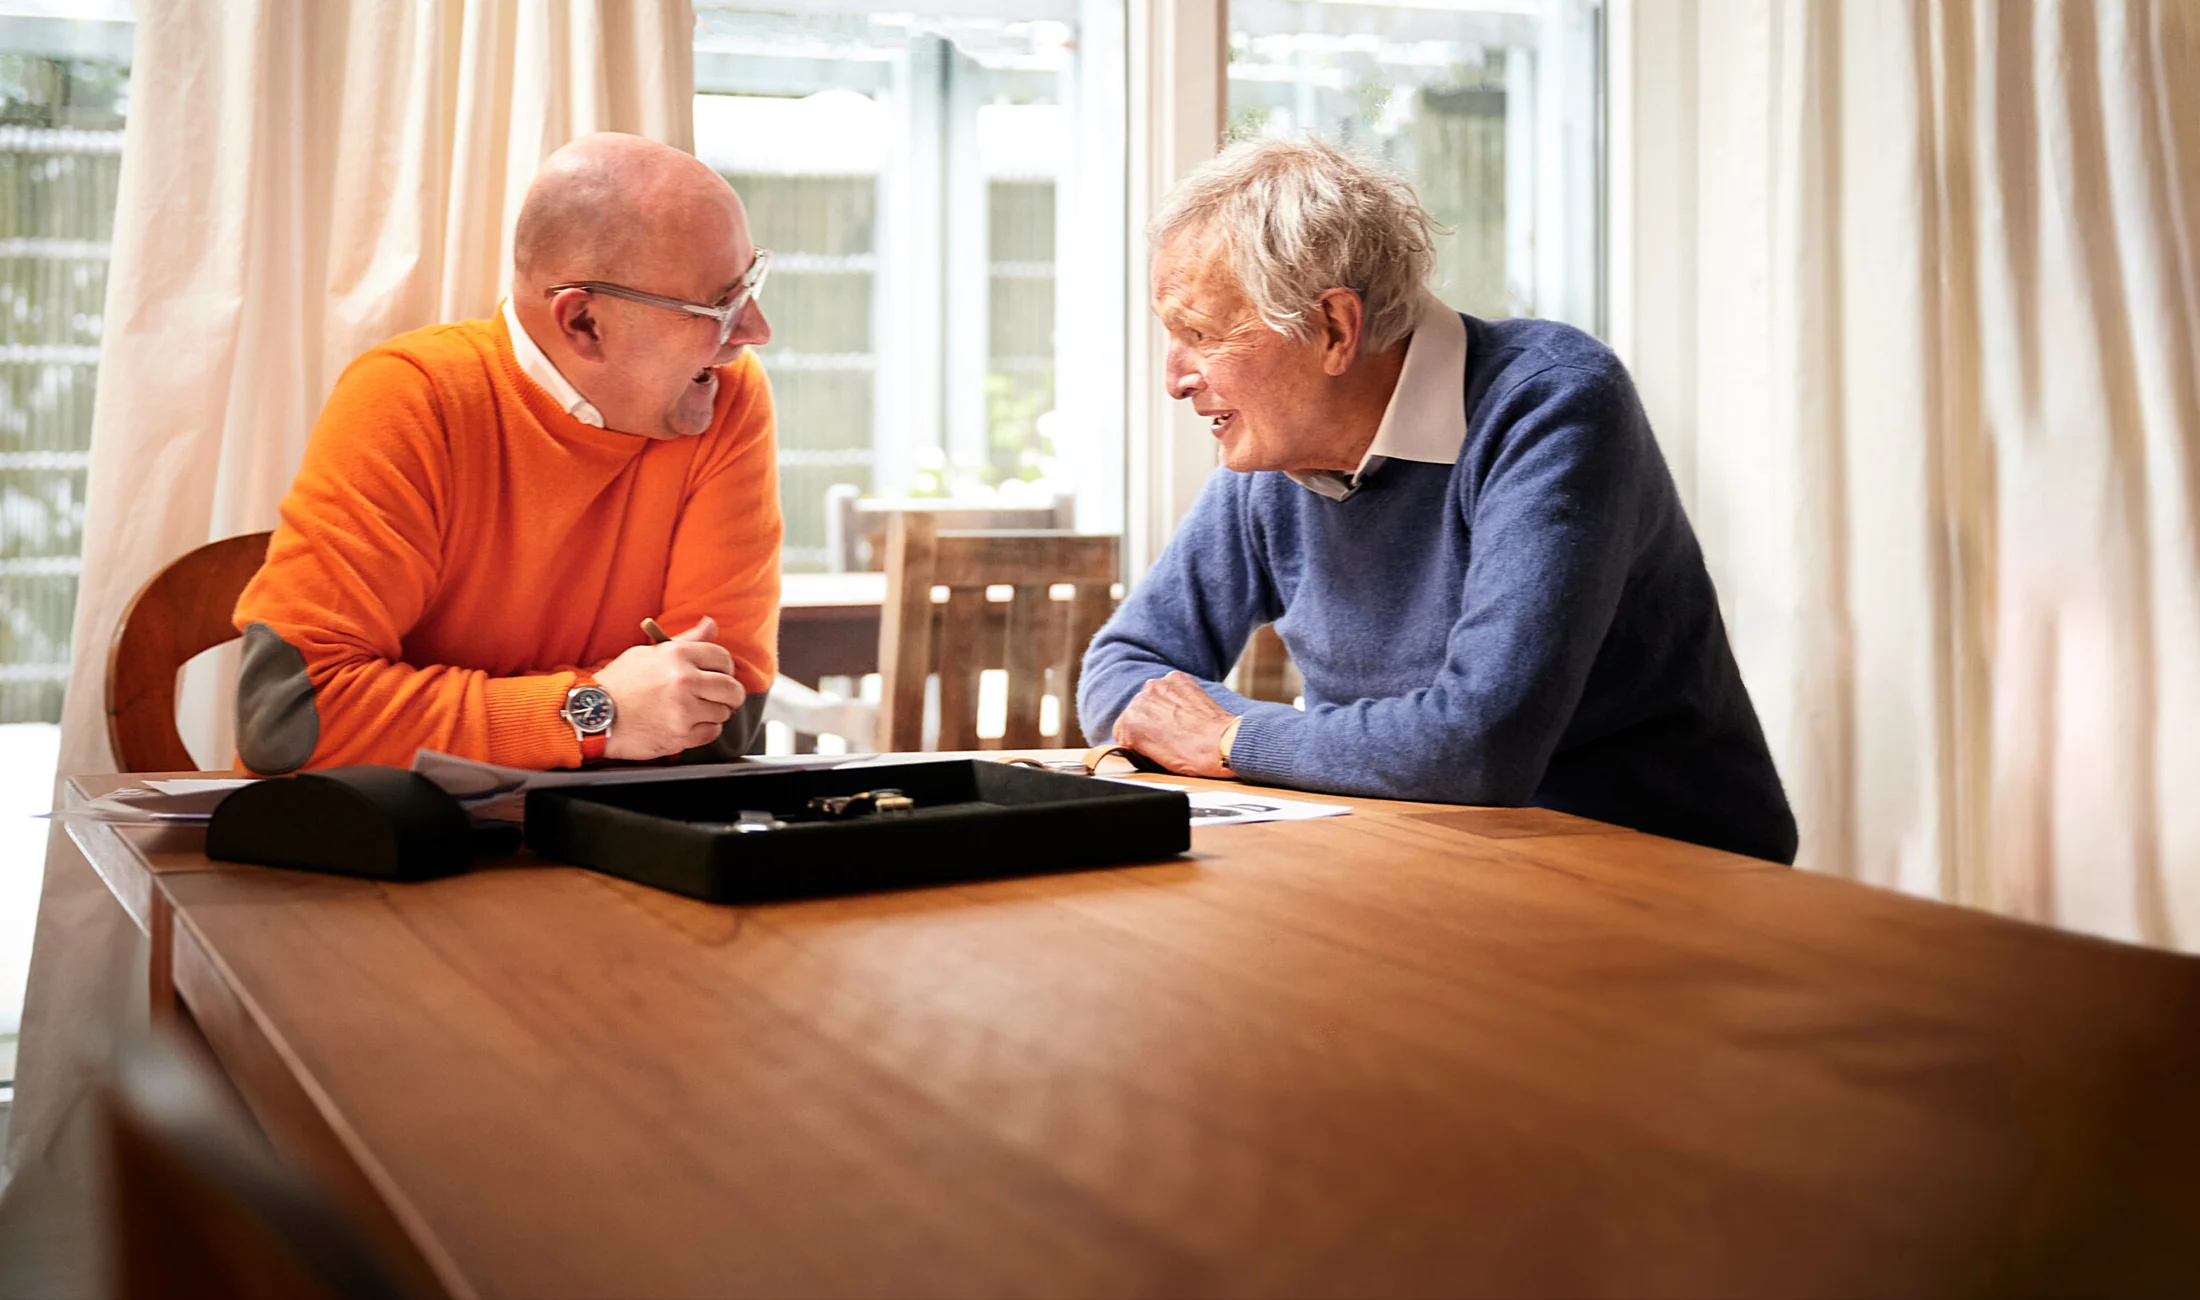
(277, 725)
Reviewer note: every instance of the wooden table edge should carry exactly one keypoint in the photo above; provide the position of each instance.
(191, 992)
(299, 1117)
(117, 865)
(132, 881)
(129, 879)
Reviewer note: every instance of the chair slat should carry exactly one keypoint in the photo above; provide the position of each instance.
(905, 631)
(1089, 607)
(1054, 672)
(962, 659)
(1026, 667)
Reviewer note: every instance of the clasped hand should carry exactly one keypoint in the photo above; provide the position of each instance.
(670, 697)
(1173, 721)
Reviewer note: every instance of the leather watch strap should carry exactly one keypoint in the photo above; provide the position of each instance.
(1099, 754)
(593, 747)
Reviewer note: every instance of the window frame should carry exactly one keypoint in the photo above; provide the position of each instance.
(1179, 54)
(1179, 110)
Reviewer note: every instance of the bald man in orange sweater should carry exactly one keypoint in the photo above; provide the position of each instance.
(488, 510)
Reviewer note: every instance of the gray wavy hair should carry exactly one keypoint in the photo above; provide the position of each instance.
(1299, 218)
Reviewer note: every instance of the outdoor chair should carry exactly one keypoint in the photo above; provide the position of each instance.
(855, 525)
(1039, 640)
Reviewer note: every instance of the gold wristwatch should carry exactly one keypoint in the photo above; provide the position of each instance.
(1229, 737)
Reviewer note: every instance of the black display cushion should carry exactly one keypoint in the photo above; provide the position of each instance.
(382, 822)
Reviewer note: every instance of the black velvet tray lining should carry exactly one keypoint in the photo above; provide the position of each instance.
(973, 820)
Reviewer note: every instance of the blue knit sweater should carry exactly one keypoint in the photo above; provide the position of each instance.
(1530, 625)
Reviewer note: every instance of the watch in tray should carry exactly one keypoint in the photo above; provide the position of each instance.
(589, 709)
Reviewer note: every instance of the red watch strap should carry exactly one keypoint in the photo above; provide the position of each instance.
(592, 747)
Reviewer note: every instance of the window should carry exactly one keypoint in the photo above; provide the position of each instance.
(1491, 107)
(64, 90)
(942, 193)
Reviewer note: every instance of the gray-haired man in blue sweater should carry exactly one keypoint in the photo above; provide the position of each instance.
(1463, 530)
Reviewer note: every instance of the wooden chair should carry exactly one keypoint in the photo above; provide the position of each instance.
(200, 1206)
(183, 611)
(855, 525)
(1032, 635)
(1265, 670)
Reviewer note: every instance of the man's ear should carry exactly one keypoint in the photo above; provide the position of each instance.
(574, 312)
(1341, 315)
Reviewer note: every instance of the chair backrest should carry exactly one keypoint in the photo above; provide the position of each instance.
(1265, 670)
(856, 525)
(1032, 635)
(201, 1207)
(183, 611)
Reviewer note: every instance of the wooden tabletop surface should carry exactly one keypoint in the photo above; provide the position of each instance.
(828, 624)
(823, 591)
(1415, 1050)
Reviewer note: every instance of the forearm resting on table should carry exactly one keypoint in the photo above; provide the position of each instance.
(362, 709)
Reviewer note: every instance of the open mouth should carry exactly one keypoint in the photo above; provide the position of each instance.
(703, 376)
(1221, 421)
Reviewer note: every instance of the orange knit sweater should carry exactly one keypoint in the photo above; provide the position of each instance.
(456, 545)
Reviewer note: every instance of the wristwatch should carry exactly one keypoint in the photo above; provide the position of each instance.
(589, 708)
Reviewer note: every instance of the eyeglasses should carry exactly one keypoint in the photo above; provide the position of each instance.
(725, 313)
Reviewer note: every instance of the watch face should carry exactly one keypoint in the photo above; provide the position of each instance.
(590, 709)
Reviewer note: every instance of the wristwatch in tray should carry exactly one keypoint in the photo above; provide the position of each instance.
(589, 709)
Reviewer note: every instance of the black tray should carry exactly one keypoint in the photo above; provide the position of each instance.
(973, 819)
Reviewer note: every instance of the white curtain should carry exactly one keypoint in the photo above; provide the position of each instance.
(1917, 312)
(299, 182)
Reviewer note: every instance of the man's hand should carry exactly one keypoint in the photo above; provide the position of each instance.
(1176, 724)
(670, 697)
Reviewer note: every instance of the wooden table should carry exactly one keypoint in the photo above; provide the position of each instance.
(1416, 1050)
(828, 624)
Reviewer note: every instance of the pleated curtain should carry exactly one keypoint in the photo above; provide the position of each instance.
(1920, 327)
(299, 182)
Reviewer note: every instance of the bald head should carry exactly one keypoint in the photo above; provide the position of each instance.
(624, 248)
(610, 206)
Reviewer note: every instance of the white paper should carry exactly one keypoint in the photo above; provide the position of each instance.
(1236, 808)
(200, 784)
(141, 807)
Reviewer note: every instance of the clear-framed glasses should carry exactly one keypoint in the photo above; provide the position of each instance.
(725, 313)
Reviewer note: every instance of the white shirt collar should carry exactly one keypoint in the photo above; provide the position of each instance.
(1426, 420)
(536, 365)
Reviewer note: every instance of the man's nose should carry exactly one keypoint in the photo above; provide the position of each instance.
(1181, 378)
(750, 330)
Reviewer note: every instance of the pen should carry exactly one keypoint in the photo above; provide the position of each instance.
(655, 633)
